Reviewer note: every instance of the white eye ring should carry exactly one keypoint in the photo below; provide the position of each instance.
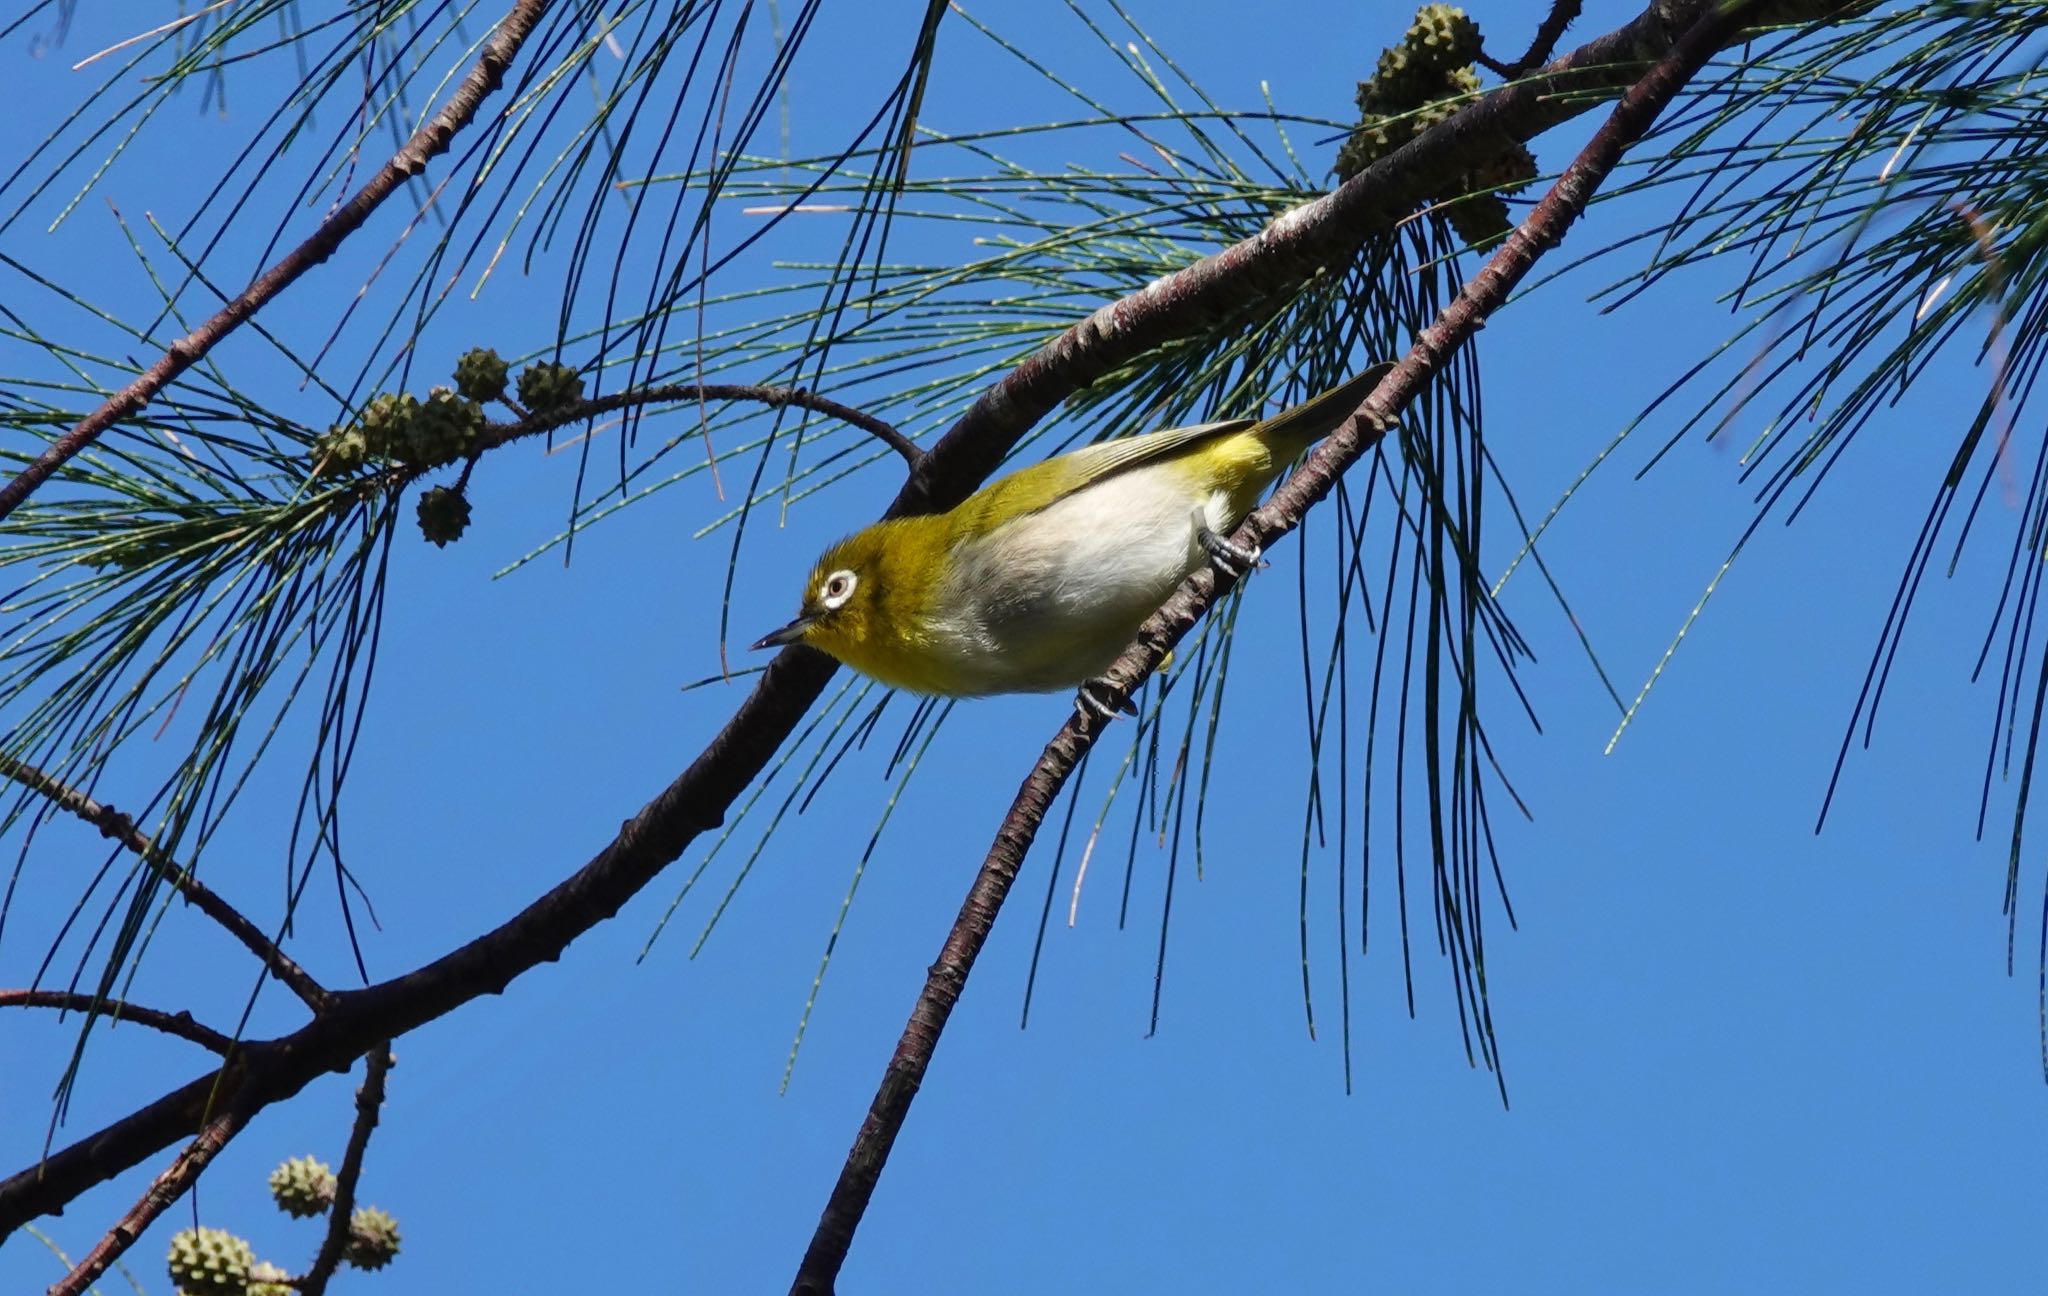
(838, 588)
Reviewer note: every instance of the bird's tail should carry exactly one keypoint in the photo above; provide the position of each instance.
(1294, 430)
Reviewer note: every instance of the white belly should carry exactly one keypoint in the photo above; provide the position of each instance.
(1050, 599)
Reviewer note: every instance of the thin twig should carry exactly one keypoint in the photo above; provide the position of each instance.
(427, 143)
(497, 434)
(168, 1187)
(369, 1104)
(1562, 14)
(119, 827)
(1541, 231)
(181, 1024)
(1298, 245)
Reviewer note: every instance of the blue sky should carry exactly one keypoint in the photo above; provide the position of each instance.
(1740, 1056)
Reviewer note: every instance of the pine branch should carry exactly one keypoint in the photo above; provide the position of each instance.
(427, 143)
(1541, 231)
(1306, 241)
(168, 1187)
(119, 827)
(497, 434)
(369, 1105)
(1548, 33)
(181, 1024)
(1295, 248)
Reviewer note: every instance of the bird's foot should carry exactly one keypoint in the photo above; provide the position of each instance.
(1102, 700)
(1228, 555)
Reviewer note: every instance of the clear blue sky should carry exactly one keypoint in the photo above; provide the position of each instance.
(1741, 1057)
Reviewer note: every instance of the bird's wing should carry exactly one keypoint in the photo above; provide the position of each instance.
(1092, 463)
(1030, 489)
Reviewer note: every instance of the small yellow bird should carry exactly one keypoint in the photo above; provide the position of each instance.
(1037, 582)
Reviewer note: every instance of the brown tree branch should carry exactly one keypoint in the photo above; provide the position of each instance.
(119, 827)
(1541, 231)
(427, 143)
(1242, 278)
(497, 434)
(369, 1104)
(169, 1186)
(1295, 247)
(181, 1024)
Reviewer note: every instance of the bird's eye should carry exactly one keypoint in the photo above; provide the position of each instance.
(838, 588)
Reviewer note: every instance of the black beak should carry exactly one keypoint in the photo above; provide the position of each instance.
(789, 634)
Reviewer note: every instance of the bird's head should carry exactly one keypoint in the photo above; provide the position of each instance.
(842, 612)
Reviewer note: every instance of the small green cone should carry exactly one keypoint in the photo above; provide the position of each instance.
(372, 1239)
(548, 388)
(302, 1187)
(481, 374)
(210, 1262)
(443, 514)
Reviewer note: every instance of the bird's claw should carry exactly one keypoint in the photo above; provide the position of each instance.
(1228, 555)
(1102, 700)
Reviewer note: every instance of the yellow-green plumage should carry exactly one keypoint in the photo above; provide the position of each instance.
(1037, 581)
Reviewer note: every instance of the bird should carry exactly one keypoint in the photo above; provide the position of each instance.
(1038, 581)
